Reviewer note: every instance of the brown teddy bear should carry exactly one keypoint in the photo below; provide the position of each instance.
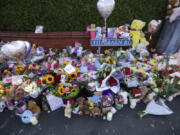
(32, 106)
(96, 112)
(83, 107)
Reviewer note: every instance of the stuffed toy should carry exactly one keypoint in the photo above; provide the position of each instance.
(149, 97)
(18, 91)
(125, 95)
(111, 113)
(34, 108)
(154, 26)
(95, 112)
(28, 117)
(2, 106)
(137, 34)
(98, 33)
(83, 106)
(68, 110)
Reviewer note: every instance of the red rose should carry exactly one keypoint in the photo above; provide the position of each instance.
(33, 65)
(72, 101)
(38, 82)
(100, 80)
(74, 55)
(127, 71)
(111, 81)
(162, 54)
(25, 67)
(57, 78)
(139, 78)
(107, 73)
(4, 74)
(159, 84)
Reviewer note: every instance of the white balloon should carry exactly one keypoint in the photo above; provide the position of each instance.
(15, 48)
(105, 7)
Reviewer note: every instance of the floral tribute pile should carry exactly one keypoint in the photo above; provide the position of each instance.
(86, 83)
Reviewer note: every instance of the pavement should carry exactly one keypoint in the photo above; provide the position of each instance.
(125, 122)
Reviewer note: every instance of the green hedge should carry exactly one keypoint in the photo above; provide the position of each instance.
(55, 15)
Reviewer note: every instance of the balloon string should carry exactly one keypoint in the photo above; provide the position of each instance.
(105, 24)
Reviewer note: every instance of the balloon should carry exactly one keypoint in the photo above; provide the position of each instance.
(16, 48)
(105, 7)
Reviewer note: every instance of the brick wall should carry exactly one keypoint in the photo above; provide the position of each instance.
(57, 39)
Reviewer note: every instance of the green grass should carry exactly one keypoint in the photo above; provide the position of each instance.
(58, 15)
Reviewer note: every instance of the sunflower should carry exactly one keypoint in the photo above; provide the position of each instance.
(73, 89)
(19, 68)
(61, 91)
(49, 79)
(43, 80)
(110, 60)
(73, 75)
(1, 62)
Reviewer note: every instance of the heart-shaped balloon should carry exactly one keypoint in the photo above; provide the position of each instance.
(105, 7)
(16, 48)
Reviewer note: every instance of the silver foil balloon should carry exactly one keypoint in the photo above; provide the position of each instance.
(16, 49)
(105, 8)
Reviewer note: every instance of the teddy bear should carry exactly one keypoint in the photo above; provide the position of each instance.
(95, 112)
(32, 106)
(83, 107)
(154, 26)
(137, 34)
(17, 91)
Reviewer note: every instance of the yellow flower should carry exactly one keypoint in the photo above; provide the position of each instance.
(33, 47)
(154, 61)
(61, 85)
(1, 87)
(73, 75)
(7, 91)
(37, 67)
(107, 52)
(49, 79)
(77, 69)
(1, 91)
(19, 68)
(146, 74)
(141, 71)
(61, 91)
(73, 89)
(43, 80)
(110, 60)
(154, 68)
(1, 62)
(66, 63)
